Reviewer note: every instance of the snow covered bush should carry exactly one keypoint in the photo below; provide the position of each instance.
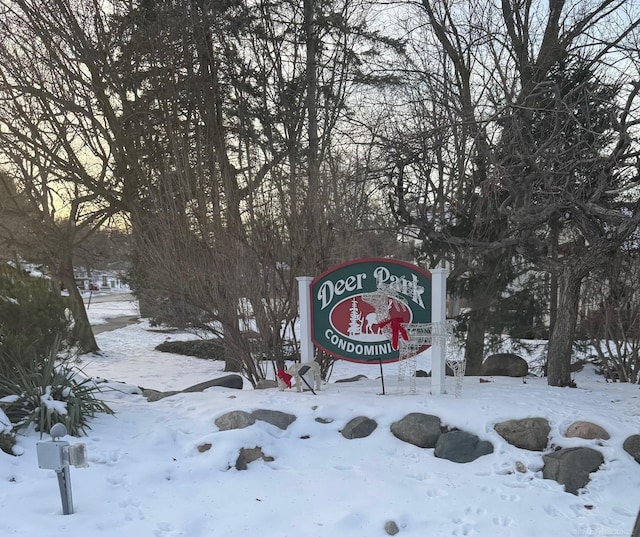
(38, 385)
(49, 391)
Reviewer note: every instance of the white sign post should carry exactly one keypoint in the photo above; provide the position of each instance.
(438, 315)
(304, 305)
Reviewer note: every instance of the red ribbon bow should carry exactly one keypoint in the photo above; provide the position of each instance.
(285, 377)
(397, 330)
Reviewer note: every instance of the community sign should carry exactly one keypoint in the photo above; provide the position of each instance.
(346, 326)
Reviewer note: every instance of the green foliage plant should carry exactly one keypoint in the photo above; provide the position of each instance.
(50, 390)
(39, 384)
(33, 316)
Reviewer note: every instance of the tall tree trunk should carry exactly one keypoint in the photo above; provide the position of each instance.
(140, 266)
(474, 348)
(561, 339)
(553, 277)
(314, 247)
(82, 331)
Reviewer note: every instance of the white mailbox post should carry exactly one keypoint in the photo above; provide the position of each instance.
(58, 455)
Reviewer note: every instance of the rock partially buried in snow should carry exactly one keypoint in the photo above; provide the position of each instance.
(248, 455)
(228, 381)
(266, 384)
(352, 379)
(154, 395)
(460, 446)
(527, 433)
(359, 427)
(236, 419)
(571, 467)
(505, 365)
(586, 430)
(422, 430)
(632, 446)
(282, 420)
(391, 527)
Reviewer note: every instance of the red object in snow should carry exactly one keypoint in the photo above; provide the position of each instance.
(285, 377)
(397, 330)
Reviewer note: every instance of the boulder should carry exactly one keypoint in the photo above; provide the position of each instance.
(571, 466)
(632, 446)
(236, 419)
(460, 446)
(228, 381)
(422, 430)
(586, 430)
(505, 364)
(282, 420)
(527, 433)
(359, 428)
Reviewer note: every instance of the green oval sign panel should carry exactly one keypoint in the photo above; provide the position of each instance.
(346, 326)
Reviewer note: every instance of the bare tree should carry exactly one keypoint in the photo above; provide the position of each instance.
(257, 190)
(173, 113)
(63, 141)
(611, 318)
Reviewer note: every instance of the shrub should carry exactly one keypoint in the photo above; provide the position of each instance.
(47, 391)
(210, 349)
(32, 317)
(213, 349)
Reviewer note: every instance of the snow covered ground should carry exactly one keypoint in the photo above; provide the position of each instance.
(147, 477)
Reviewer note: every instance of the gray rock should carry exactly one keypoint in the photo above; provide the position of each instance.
(460, 446)
(248, 455)
(266, 384)
(632, 446)
(527, 433)
(391, 527)
(505, 364)
(571, 467)
(422, 430)
(155, 395)
(228, 381)
(359, 427)
(586, 430)
(282, 420)
(352, 379)
(236, 419)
